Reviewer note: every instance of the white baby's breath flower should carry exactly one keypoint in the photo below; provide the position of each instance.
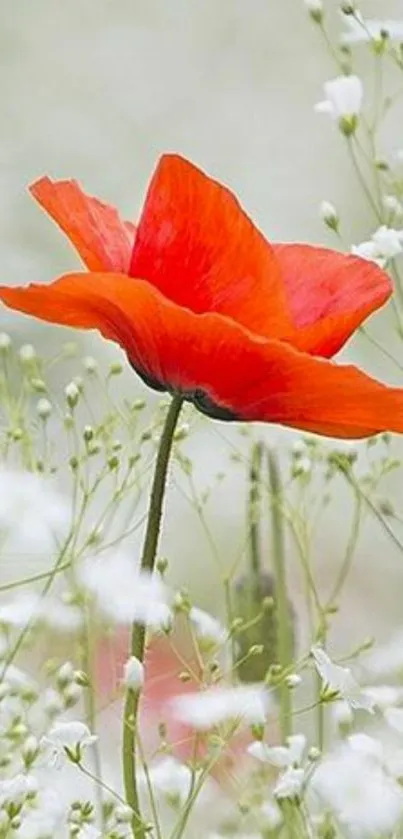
(289, 784)
(203, 710)
(343, 102)
(133, 673)
(386, 659)
(14, 791)
(19, 611)
(363, 30)
(354, 785)
(269, 816)
(342, 713)
(384, 696)
(385, 244)
(27, 353)
(315, 9)
(206, 627)
(32, 513)
(394, 718)
(393, 205)
(329, 215)
(5, 342)
(171, 779)
(90, 364)
(340, 680)
(68, 741)
(281, 756)
(124, 594)
(44, 409)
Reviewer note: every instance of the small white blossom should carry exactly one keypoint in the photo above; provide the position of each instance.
(364, 30)
(393, 205)
(290, 784)
(293, 680)
(394, 718)
(14, 791)
(171, 779)
(385, 244)
(44, 409)
(125, 594)
(384, 696)
(68, 740)
(329, 215)
(133, 674)
(342, 713)
(205, 709)
(32, 513)
(5, 342)
(269, 815)
(314, 5)
(27, 353)
(72, 394)
(354, 785)
(90, 364)
(386, 659)
(343, 101)
(206, 627)
(340, 680)
(281, 756)
(19, 611)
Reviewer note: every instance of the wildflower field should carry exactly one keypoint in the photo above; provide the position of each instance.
(201, 521)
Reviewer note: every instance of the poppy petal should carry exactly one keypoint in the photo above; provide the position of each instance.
(251, 377)
(330, 294)
(102, 239)
(196, 245)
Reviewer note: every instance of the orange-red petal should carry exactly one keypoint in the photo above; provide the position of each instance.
(196, 245)
(255, 378)
(330, 294)
(102, 239)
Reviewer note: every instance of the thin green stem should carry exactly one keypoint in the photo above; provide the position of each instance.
(284, 630)
(138, 630)
(253, 508)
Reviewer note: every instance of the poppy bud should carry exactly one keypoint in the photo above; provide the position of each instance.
(255, 603)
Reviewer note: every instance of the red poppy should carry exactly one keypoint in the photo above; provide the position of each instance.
(204, 306)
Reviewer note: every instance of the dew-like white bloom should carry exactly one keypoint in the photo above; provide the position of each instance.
(341, 681)
(269, 816)
(354, 785)
(362, 30)
(394, 718)
(44, 408)
(290, 783)
(171, 779)
(342, 713)
(89, 831)
(386, 243)
(124, 594)
(27, 353)
(384, 696)
(14, 791)
(393, 205)
(343, 100)
(133, 673)
(19, 611)
(314, 5)
(206, 627)
(281, 756)
(386, 659)
(329, 214)
(32, 513)
(249, 704)
(5, 342)
(68, 741)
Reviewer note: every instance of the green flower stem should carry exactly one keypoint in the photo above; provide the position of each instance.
(138, 630)
(284, 632)
(254, 517)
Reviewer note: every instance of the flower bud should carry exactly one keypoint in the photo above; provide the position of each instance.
(315, 9)
(5, 342)
(133, 674)
(72, 394)
(259, 630)
(44, 409)
(329, 215)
